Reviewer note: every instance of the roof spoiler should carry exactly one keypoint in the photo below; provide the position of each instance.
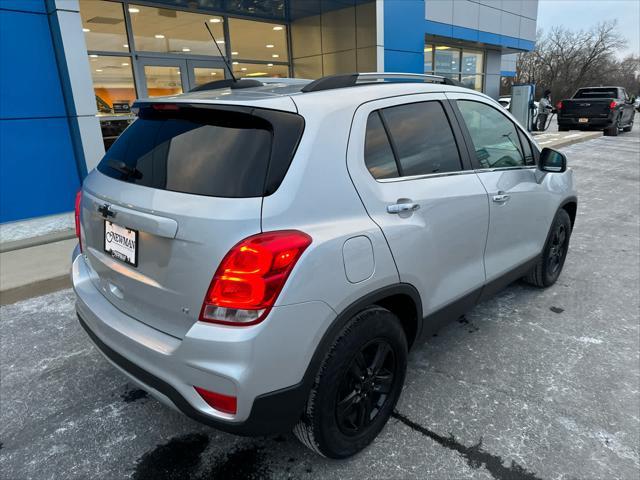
(228, 83)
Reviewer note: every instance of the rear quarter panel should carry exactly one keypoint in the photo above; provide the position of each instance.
(318, 197)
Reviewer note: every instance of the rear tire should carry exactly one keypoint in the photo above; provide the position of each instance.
(549, 265)
(357, 386)
(563, 129)
(612, 131)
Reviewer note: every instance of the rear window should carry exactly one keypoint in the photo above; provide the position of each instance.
(200, 151)
(596, 93)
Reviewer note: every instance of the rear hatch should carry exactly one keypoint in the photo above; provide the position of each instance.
(180, 187)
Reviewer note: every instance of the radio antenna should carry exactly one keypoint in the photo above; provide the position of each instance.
(221, 55)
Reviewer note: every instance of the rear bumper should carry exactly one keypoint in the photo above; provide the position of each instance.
(594, 122)
(264, 366)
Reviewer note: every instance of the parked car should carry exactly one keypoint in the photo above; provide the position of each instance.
(636, 104)
(262, 258)
(601, 108)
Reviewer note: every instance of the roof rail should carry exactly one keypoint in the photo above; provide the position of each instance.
(228, 83)
(354, 79)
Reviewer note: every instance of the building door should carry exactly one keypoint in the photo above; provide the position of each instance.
(165, 76)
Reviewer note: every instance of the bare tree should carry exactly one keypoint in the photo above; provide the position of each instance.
(565, 60)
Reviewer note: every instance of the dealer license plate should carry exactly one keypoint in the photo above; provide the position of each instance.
(121, 243)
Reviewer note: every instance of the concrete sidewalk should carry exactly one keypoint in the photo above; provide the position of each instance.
(35, 256)
(558, 140)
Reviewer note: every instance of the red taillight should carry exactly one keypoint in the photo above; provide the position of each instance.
(613, 104)
(165, 106)
(77, 216)
(251, 276)
(559, 105)
(224, 403)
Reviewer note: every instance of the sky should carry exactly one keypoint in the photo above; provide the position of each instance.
(583, 14)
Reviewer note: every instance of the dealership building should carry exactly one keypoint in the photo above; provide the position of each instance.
(72, 68)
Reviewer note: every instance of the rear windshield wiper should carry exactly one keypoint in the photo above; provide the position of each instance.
(122, 167)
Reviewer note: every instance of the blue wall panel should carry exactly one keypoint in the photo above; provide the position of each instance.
(404, 36)
(405, 62)
(37, 169)
(37, 6)
(463, 33)
(29, 84)
(38, 172)
(404, 25)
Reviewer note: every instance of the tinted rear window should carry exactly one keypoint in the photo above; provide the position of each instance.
(596, 93)
(199, 151)
(378, 155)
(423, 138)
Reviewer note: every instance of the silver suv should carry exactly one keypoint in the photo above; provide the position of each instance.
(262, 255)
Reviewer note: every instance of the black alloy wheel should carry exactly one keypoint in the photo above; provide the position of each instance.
(365, 387)
(557, 249)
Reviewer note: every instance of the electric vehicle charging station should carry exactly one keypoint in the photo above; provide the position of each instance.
(522, 104)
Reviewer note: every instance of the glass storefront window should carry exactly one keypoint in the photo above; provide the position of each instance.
(265, 8)
(103, 26)
(256, 70)
(252, 40)
(112, 84)
(428, 58)
(174, 31)
(447, 59)
(472, 81)
(466, 66)
(206, 75)
(162, 80)
(472, 62)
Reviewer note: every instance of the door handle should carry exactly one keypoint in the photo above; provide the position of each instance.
(402, 207)
(501, 197)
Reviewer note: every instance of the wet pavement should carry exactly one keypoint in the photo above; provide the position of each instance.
(532, 384)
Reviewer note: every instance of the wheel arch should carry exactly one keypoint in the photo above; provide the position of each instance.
(570, 205)
(402, 299)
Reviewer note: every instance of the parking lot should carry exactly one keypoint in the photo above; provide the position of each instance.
(532, 384)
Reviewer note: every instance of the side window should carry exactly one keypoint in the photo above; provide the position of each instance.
(422, 138)
(378, 156)
(529, 159)
(494, 136)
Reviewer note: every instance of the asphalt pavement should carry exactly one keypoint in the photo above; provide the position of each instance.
(532, 384)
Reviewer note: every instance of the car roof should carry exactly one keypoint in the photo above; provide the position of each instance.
(286, 93)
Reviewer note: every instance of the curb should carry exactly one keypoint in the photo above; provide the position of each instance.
(34, 289)
(565, 142)
(36, 241)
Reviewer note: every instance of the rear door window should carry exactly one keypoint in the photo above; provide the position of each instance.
(199, 151)
(495, 137)
(378, 155)
(422, 138)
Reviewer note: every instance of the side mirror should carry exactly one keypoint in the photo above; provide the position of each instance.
(552, 161)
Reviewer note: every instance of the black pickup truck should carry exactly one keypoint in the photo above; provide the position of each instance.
(602, 108)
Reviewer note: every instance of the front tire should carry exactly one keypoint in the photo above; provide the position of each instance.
(550, 264)
(357, 386)
(628, 128)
